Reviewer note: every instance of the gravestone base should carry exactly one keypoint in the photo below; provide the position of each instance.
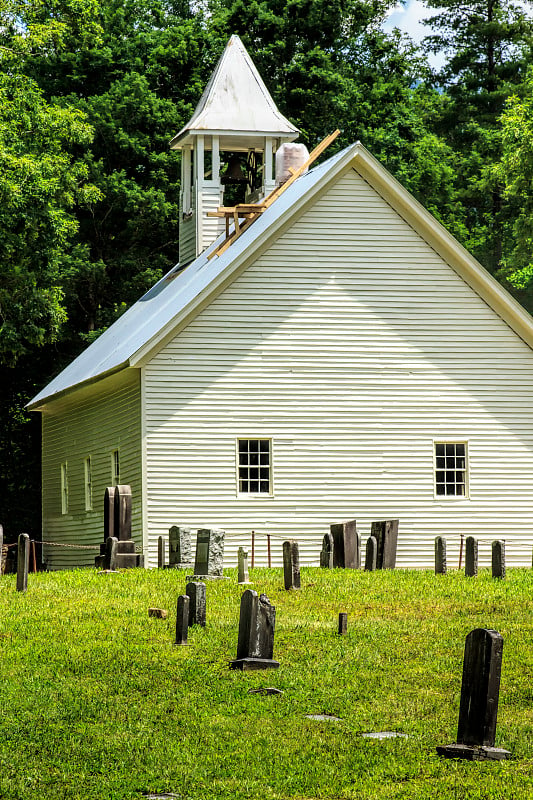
(470, 752)
(253, 663)
(179, 566)
(206, 578)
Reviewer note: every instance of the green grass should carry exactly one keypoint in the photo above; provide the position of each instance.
(96, 702)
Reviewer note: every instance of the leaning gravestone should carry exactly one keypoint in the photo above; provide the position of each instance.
(182, 619)
(326, 554)
(371, 554)
(471, 557)
(480, 691)
(23, 562)
(180, 548)
(498, 559)
(209, 559)
(242, 566)
(346, 545)
(117, 525)
(255, 646)
(386, 535)
(195, 591)
(291, 564)
(440, 555)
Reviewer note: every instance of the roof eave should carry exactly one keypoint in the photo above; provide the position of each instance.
(41, 403)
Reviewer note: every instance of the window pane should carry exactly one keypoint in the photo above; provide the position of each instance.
(439, 449)
(265, 487)
(243, 445)
(254, 458)
(265, 445)
(254, 446)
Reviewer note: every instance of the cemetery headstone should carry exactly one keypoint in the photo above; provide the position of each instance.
(182, 619)
(117, 525)
(386, 535)
(122, 512)
(196, 592)
(440, 555)
(109, 512)
(371, 554)
(478, 708)
(326, 554)
(180, 548)
(255, 646)
(471, 557)
(209, 558)
(346, 545)
(160, 553)
(498, 559)
(242, 566)
(111, 553)
(23, 562)
(291, 564)
(343, 623)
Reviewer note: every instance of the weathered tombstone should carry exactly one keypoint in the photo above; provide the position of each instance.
(109, 512)
(255, 646)
(386, 535)
(498, 559)
(291, 564)
(440, 555)
(343, 623)
(346, 545)
(23, 562)
(371, 554)
(471, 557)
(478, 708)
(122, 517)
(242, 566)
(209, 558)
(326, 554)
(180, 547)
(160, 553)
(111, 550)
(182, 619)
(195, 591)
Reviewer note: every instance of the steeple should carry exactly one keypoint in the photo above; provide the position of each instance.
(227, 147)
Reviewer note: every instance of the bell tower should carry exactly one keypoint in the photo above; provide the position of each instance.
(227, 148)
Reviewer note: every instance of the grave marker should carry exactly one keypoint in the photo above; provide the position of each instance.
(255, 646)
(242, 566)
(471, 557)
(209, 558)
(160, 553)
(498, 559)
(480, 690)
(23, 562)
(180, 548)
(195, 591)
(1, 549)
(326, 554)
(122, 515)
(346, 545)
(109, 512)
(291, 564)
(111, 550)
(182, 619)
(371, 554)
(343, 623)
(440, 556)
(386, 535)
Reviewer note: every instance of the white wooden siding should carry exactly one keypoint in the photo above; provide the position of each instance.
(353, 346)
(93, 426)
(187, 231)
(209, 227)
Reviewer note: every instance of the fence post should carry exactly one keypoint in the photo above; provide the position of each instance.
(461, 551)
(268, 547)
(253, 549)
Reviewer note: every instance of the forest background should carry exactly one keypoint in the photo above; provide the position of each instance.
(91, 91)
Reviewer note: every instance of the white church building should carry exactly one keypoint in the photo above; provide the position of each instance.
(342, 358)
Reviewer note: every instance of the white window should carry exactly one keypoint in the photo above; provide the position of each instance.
(254, 466)
(88, 485)
(64, 488)
(451, 476)
(115, 468)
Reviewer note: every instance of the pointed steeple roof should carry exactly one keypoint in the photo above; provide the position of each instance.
(236, 101)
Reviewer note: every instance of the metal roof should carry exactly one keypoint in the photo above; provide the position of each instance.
(162, 305)
(236, 100)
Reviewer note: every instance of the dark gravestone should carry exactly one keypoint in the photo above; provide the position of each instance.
(122, 512)
(195, 591)
(180, 548)
(343, 623)
(117, 525)
(111, 550)
(182, 619)
(440, 555)
(371, 554)
(23, 562)
(209, 558)
(471, 557)
(160, 553)
(498, 559)
(478, 708)
(291, 564)
(386, 535)
(109, 512)
(346, 545)
(326, 554)
(242, 566)
(1, 549)
(255, 646)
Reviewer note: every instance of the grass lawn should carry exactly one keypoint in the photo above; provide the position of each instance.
(97, 702)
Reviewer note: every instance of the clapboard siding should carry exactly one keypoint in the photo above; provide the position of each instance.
(93, 426)
(354, 346)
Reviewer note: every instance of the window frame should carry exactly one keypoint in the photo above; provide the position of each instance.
(258, 494)
(88, 483)
(64, 488)
(466, 470)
